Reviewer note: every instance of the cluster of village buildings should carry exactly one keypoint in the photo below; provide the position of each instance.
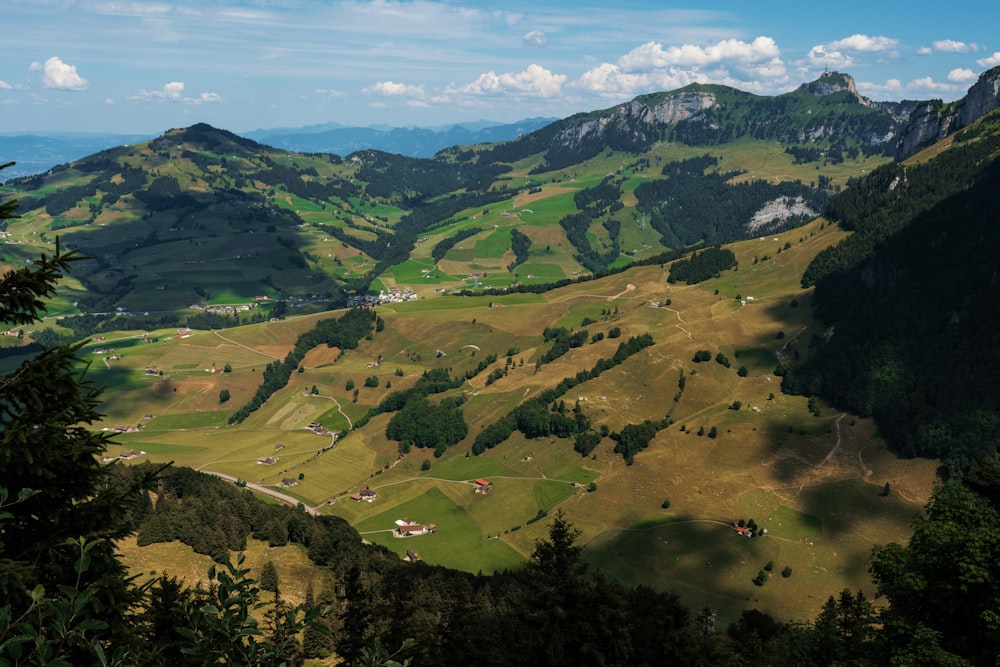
(392, 295)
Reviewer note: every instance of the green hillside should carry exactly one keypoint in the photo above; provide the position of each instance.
(202, 217)
(550, 345)
(771, 460)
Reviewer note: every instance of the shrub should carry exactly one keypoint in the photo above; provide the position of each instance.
(787, 572)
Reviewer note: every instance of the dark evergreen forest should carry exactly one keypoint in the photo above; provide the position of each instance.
(913, 301)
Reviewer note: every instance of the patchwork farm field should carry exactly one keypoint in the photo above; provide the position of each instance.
(814, 482)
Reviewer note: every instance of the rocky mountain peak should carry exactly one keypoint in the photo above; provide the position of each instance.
(933, 120)
(831, 82)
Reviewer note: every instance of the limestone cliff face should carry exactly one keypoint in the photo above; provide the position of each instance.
(982, 98)
(638, 118)
(933, 121)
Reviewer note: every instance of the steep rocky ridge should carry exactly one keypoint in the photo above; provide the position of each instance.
(933, 120)
(821, 115)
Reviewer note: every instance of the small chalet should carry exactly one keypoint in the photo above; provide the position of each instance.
(331, 500)
(411, 529)
(364, 494)
(482, 486)
(266, 460)
(130, 454)
(411, 556)
(289, 481)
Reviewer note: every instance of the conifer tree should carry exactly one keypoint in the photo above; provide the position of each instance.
(50, 461)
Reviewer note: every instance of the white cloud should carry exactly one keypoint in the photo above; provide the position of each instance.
(534, 80)
(59, 75)
(922, 88)
(929, 84)
(109, 101)
(864, 44)
(609, 80)
(393, 89)
(951, 46)
(652, 55)
(5, 86)
(535, 38)
(960, 74)
(174, 92)
(925, 51)
(991, 61)
(841, 53)
(651, 66)
(206, 98)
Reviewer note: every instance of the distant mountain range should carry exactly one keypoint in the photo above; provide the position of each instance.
(408, 141)
(37, 153)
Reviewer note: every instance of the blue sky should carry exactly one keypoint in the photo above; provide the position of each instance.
(149, 65)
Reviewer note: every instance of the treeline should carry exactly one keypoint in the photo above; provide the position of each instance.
(344, 333)
(562, 342)
(432, 381)
(534, 418)
(702, 265)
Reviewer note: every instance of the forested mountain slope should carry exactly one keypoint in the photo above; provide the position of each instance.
(912, 299)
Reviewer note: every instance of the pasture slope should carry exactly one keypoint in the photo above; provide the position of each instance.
(814, 482)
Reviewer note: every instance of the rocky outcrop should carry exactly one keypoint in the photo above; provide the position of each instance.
(982, 98)
(778, 211)
(835, 82)
(639, 118)
(932, 121)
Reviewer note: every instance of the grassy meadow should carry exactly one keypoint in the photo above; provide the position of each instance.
(815, 482)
